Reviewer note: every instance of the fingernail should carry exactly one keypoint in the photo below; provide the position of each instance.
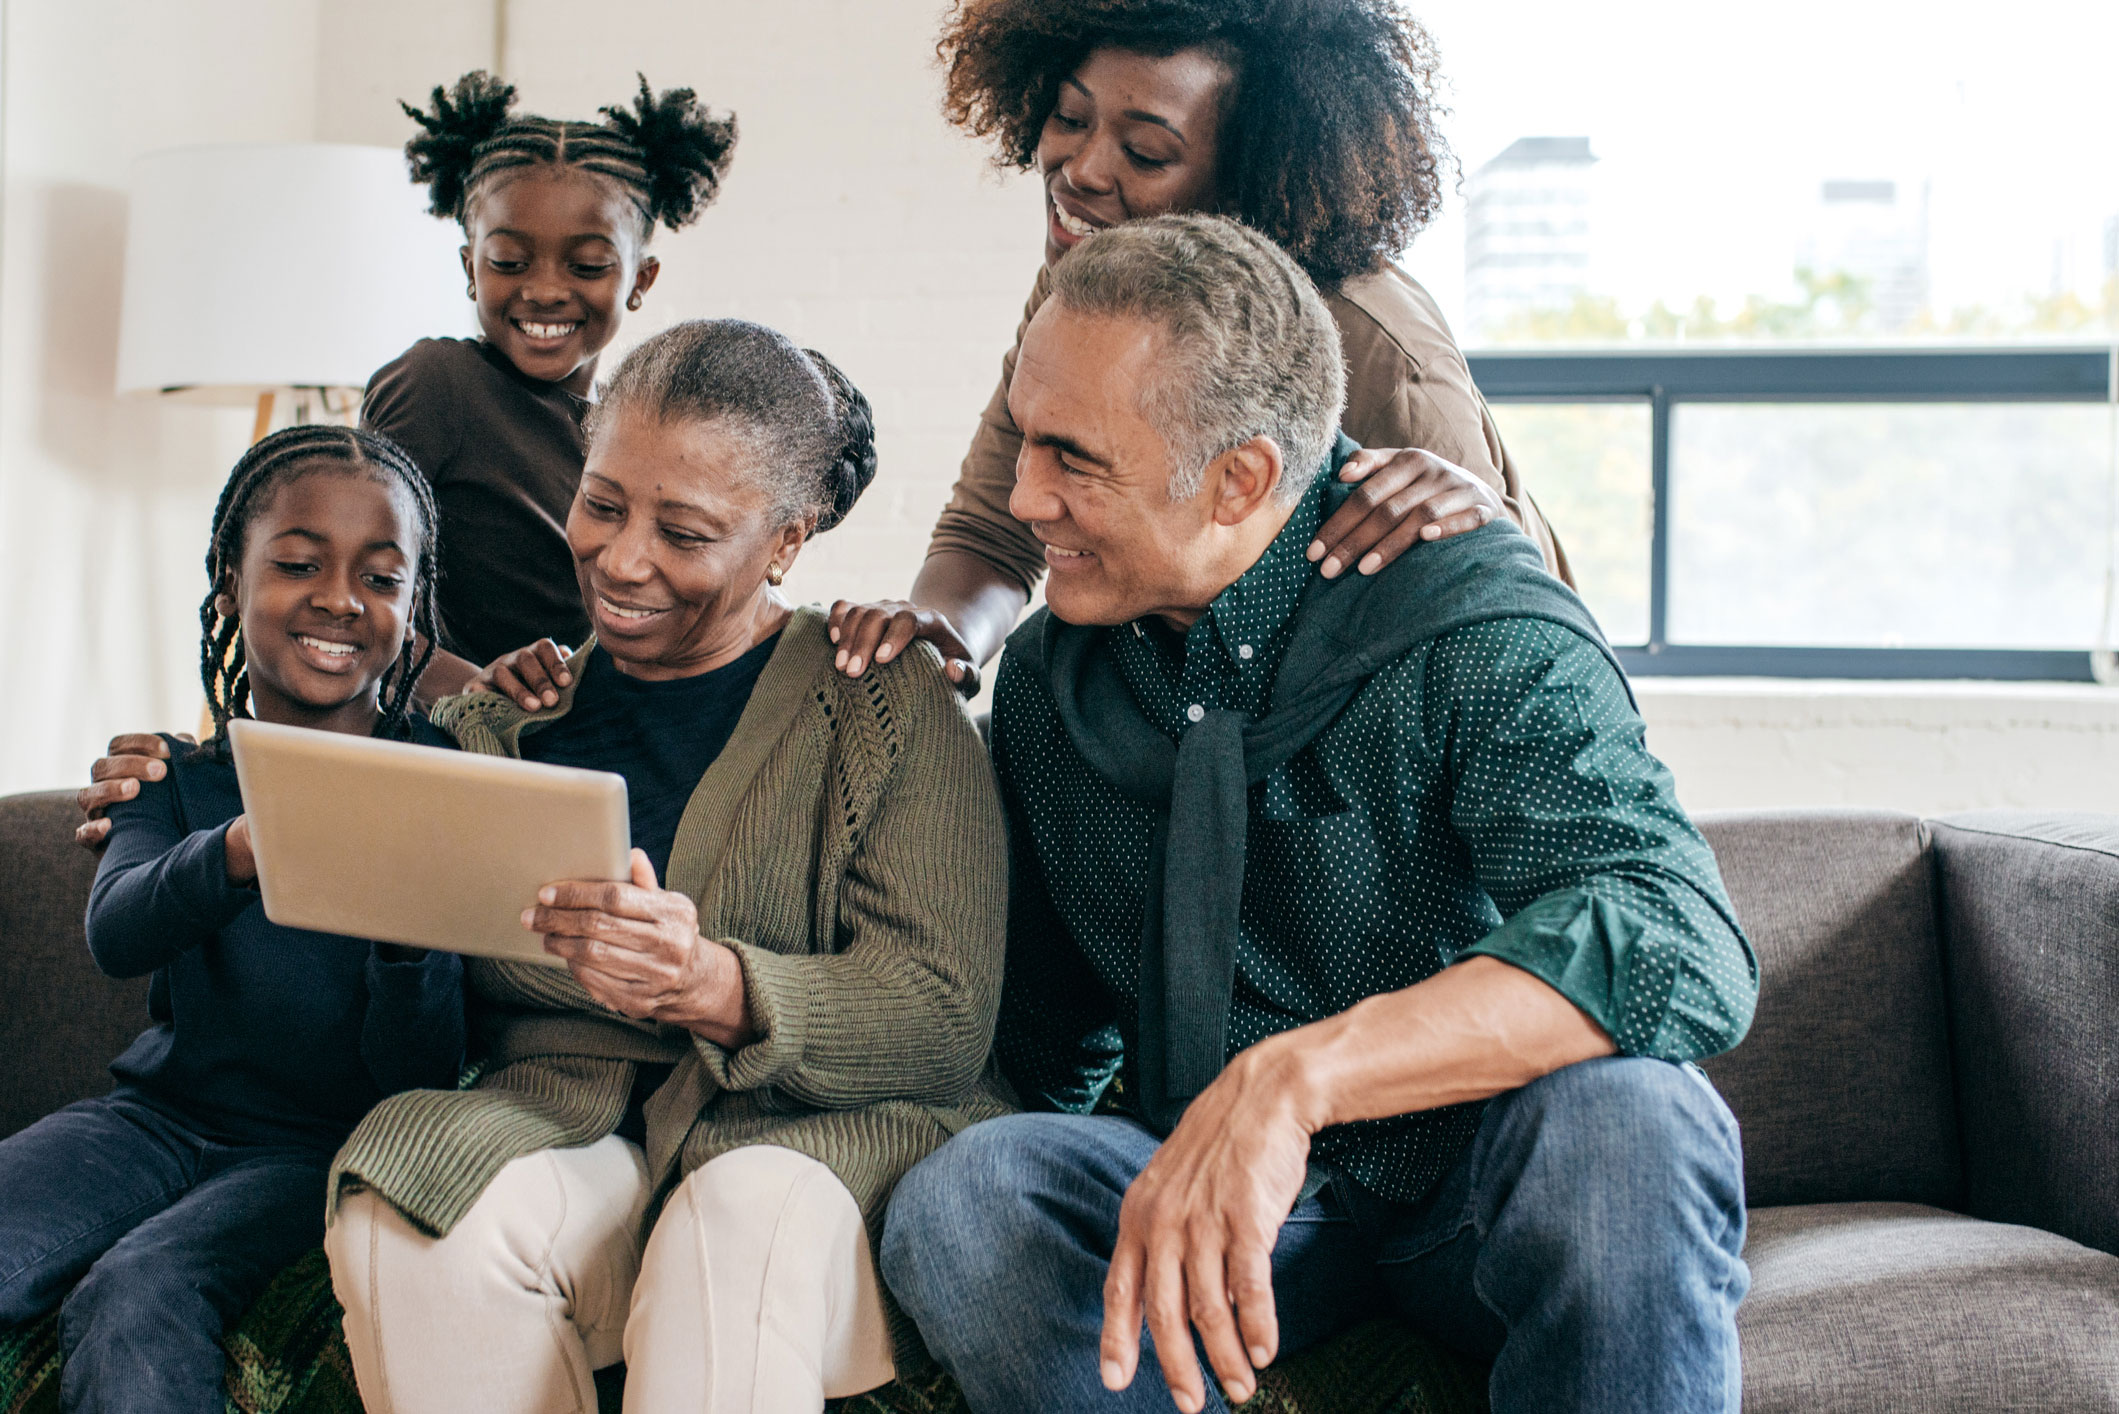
(1259, 1357)
(565, 678)
(1370, 563)
(838, 659)
(835, 635)
(527, 915)
(155, 770)
(1114, 1378)
(853, 665)
(1316, 549)
(551, 698)
(1330, 568)
(546, 895)
(529, 704)
(1429, 532)
(128, 787)
(883, 654)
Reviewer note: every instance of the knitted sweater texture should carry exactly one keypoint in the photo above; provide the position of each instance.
(847, 844)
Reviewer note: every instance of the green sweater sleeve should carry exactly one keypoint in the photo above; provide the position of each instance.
(904, 1010)
(1607, 891)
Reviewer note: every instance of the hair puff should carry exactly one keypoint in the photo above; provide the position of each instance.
(685, 148)
(465, 115)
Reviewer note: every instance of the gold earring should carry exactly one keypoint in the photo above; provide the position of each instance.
(774, 574)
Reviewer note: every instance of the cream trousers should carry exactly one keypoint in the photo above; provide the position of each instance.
(756, 1294)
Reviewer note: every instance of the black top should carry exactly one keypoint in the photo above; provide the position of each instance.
(661, 736)
(504, 453)
(262, 1034)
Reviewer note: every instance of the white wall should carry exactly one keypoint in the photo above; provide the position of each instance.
(853, 219)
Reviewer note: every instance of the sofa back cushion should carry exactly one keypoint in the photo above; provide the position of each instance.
(1842, 1086)
(2030, 908)
(61, 1021)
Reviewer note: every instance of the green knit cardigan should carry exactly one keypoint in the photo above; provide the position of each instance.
(848, 845)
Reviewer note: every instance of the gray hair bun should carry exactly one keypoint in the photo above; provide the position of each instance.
(855, 465)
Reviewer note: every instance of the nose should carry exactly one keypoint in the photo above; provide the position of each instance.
(544, 286)
(626, 558)
(338, 596)
(1035, 498)
(1092, 168)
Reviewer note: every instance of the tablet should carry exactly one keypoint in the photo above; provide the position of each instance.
(417, 844)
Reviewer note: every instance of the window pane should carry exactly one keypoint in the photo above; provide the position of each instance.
(1889, 525)
(1586, 465)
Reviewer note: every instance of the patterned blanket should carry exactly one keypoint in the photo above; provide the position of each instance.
(286, 1357)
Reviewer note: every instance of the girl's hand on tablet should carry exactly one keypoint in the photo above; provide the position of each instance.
(242, 865)
(133, 758)
(530, 677)
(635, 948)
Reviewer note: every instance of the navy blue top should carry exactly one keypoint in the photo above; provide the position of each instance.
(661, 736)
(262, 1034)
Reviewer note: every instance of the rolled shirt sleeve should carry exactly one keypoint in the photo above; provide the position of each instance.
(1608, 892)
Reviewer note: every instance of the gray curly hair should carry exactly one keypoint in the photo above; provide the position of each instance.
(1249, 348)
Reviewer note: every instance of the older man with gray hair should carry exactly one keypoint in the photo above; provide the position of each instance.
(1358, 949)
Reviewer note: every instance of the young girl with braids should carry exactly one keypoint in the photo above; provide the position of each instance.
(556, 218)
(153, 1216)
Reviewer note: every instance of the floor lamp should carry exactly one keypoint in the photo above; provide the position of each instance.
(295, 269)
(288, 269)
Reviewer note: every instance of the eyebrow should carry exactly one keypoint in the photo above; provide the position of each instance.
(1138, 115)
(1071, 447)
(666, 503)
(321, 539)
(574, 239)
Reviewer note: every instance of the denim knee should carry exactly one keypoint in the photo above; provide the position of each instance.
(966, 1198)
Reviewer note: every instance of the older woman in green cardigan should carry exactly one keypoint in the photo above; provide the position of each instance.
(680, 1148)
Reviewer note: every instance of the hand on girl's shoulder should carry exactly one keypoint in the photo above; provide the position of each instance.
(133, 762)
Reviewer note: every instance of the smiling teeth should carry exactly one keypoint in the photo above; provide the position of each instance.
(545, 331)
(617, 613)
(336, 650)
(1072, 225)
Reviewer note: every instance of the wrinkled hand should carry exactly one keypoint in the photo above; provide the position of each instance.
(133, 758)
(635, 947)
(879, 632)
(530, 677)
(1196, 1235)
(1403, 496)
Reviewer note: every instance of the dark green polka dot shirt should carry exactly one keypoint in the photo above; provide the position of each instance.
(1489, 792)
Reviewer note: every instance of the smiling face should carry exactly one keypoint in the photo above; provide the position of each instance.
(324, 591)
(673, 535)
(1131, 136)
(1093, 480)
(553, 255)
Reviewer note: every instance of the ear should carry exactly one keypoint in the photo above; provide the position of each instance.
(463, 253)
(225, 598)
(792, 537)
(644, 277)
(1242, 481)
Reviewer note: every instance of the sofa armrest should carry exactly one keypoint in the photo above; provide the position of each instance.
(2030, 923)
(61, 1021)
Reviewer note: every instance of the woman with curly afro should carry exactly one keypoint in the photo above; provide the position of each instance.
(1311, 120)
(556, 216)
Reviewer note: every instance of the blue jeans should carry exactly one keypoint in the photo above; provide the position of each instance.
(1588, 1242)
(163, 1236)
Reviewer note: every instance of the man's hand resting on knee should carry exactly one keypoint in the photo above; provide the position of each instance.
(1196, 1231)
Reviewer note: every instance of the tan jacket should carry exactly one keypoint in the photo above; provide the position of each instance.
(1407, 386)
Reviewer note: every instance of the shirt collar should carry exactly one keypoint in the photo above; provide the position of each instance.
(1249, 615)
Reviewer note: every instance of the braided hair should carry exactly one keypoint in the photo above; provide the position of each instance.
(810, 432)
(666, 151)
(279, 460)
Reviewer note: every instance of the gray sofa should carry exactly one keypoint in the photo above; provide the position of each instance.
(1929, 1096)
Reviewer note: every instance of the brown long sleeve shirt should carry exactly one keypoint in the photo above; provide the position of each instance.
(1407, 386)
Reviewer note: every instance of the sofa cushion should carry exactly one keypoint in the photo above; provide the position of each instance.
(64, 1022)
(1894, 1308)
(1843, 1085)
(2030, 913)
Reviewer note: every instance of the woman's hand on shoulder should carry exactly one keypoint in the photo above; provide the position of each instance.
(116, 776)
(883, 630)
(1402, 497)
(635, 947)
(530, 677)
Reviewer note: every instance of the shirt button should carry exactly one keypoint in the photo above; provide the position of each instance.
(1243, 651)
(1195, 712)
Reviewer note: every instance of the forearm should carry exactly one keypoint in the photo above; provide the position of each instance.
(1477, 1029)
(445, 676)
(981, 600)
(144, 911)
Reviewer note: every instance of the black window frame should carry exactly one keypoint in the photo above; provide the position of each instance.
(1665, 378)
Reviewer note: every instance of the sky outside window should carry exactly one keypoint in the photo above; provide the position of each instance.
(1940, 171)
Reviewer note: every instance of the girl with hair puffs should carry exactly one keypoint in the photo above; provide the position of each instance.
(556, 216)
(154, 1215)
(1312, 121)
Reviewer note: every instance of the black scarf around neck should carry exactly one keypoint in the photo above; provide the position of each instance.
(1342, 633)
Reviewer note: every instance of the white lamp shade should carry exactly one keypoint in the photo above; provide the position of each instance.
(281, 265)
